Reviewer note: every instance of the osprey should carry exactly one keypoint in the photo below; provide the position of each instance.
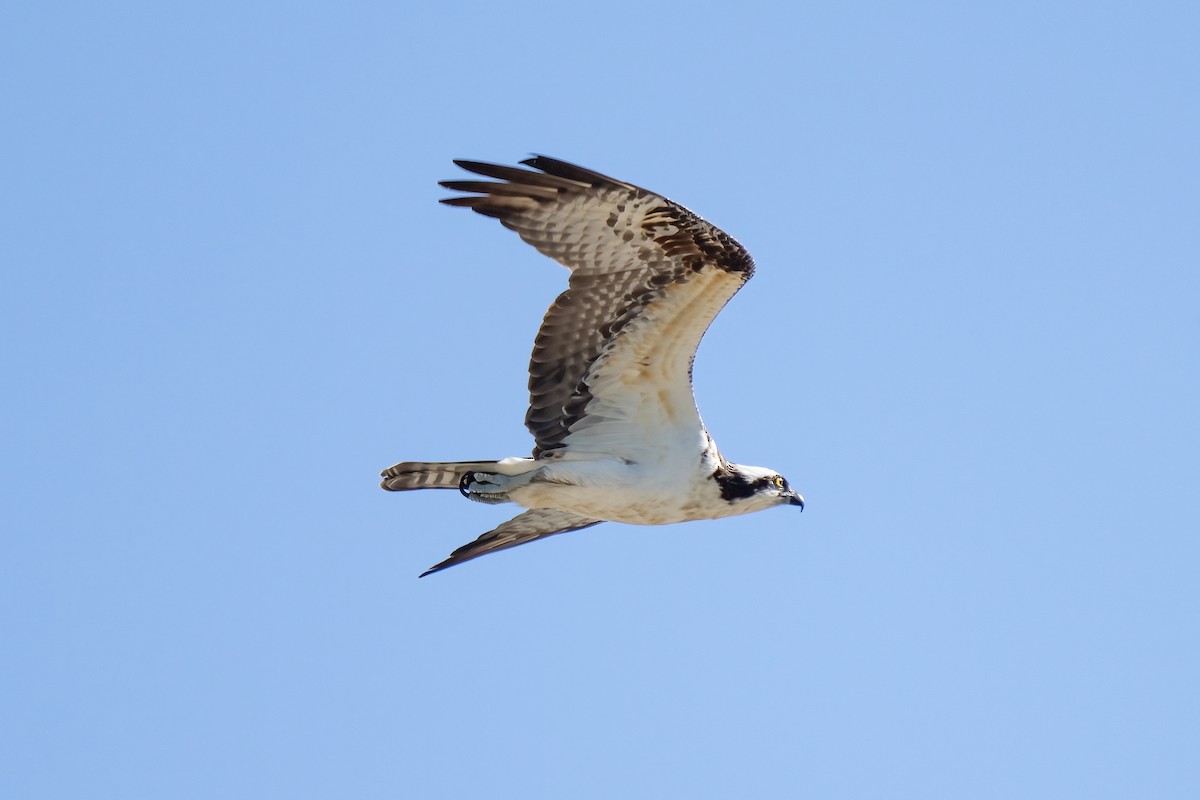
(616, 430)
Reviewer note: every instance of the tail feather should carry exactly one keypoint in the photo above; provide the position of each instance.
(408, 475)
(430, 474)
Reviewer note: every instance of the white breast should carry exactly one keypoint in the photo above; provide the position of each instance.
(637, 494)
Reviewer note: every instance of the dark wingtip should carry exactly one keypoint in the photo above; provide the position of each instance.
(449, 562)
(572, 172)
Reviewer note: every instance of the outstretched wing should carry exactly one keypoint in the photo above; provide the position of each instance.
(537, 523)
(611, 366)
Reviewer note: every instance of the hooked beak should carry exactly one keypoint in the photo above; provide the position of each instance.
(796, 500)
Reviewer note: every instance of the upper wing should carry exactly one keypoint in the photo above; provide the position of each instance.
(611, 366)
(535, 524)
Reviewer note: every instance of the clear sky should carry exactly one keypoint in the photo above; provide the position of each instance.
(229, 298)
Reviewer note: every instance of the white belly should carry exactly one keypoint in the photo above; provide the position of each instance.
(631, 493)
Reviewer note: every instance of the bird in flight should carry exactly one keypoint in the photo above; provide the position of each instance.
(617, 435)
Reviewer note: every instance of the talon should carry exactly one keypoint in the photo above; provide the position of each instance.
(464, 486)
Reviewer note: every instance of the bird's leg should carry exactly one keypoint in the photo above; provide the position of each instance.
(490, 487)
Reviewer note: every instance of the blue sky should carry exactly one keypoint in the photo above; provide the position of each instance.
(229, 298)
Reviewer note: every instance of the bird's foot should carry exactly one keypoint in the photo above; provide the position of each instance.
(483, 487)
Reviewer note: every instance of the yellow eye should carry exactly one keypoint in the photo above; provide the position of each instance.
(778, 481)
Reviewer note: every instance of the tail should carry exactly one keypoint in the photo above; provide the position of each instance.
(445, 474)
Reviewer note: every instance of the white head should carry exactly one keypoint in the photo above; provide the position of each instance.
(754, 488)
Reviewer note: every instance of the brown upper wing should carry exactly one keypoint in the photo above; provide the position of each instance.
(537, 523)
(625, 246)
